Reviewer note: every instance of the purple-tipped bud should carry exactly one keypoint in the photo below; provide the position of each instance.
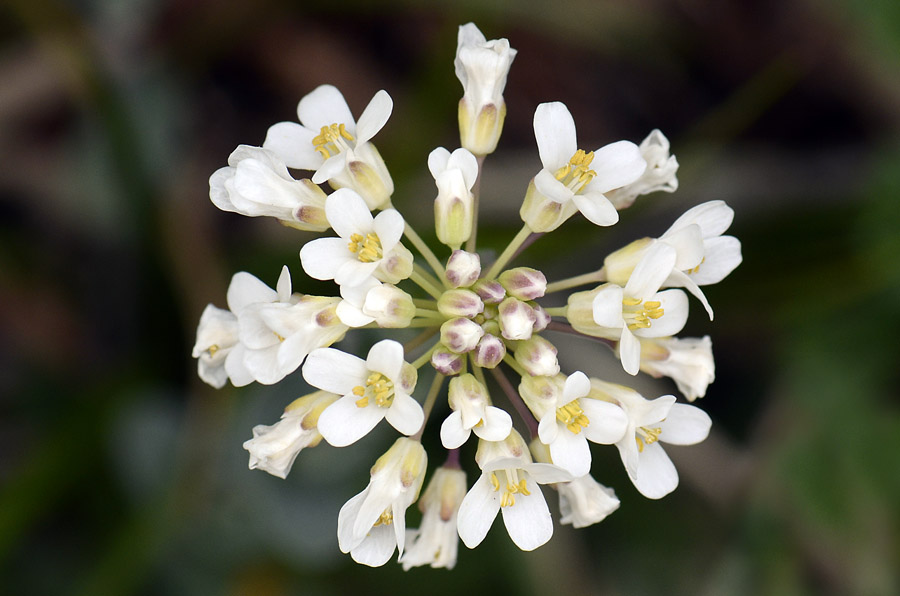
(446, 362)
(463, 268)
(537, 356)
(542, 319)
(460, 303)
(490, 291)
(524, 283)
(489, 352)
(461, 335)
(516, 319)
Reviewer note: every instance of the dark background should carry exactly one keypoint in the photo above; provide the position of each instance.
(121, 473)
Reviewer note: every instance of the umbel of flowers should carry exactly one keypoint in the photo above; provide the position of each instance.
(533, 423)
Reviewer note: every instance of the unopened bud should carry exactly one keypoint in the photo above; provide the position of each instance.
(537, 356)
(523, 283)
(446, 362)
(397, 267)
(460, 303)
(516, 319)
(489, 352)
(543, 214)
(463, 268)
(619, 264)
(368, 175)
(461, 335)
(542, 319)
(490, 291)
(391, 306)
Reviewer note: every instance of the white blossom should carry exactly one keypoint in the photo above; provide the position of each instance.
(217, 335)
(660, 174)
(436, 541)
(472, 412)
(687, 360)
(454, 175)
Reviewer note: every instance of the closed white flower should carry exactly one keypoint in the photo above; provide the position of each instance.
(436, 541)
(373, 523)
(472, 412)
(372, 389)
(217, 335)
(660, 174)
(584, 502)
(688, 361)
(454, 174)
(329, 141)
(366, 247)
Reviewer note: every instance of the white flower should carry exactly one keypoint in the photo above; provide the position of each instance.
(688, 361)
(372, 389)
(329, 141)
(372, 524)
(482, 67)
(274, 448)
(217, 335)
(508, 484)
(584, 502)
(639, 309)
(367, 246)
(571, 179)
(660, 174)
(649, 423)
(454, 175)
(436, 541)
(277, 329)
(568, 419)
(257, 183)
(387, 305)
(472, 412)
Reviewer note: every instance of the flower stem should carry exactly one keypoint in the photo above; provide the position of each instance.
(555, 311)
(516, 401)
(426, 357)
(514, 364)
(426, 252)
(566, 328)
(578, 280)
(508, 252)
(425, 303)
(430, 398)
(427, 312)
(418, 340)
(423, 322)
(476, 193)
(426, 285)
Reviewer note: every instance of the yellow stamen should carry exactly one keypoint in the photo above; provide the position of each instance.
(697, 268)
(332, 139)
(368, 249)
(280, 337)
(211, 350)
(573, 417)
(637, 314)
(575, 175)
(386, 519)
(646, 436)
(378, 387)
(513, 486)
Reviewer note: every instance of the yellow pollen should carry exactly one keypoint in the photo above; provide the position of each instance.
(576, 174)
(513, 486)
(386, 519)
(573, 417)
(637, 314)
(332, 139)
(280, 338)
(378, 387)
(211, 350)
(646, 436)
(697, 268)
(368, 249)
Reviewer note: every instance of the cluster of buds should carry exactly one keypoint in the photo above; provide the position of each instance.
(480, 328)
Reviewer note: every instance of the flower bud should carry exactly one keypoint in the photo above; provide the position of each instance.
(580, 314)
(482, 67)
(619, 264)
(455, 175)
(523, 283)
(397, 267)
(489, 352)
(660, 174)
(542, 319)
(540, 393)
(460, 303)
(468, 397)
(461, 335)
(463, 268)
(537, 356)
(543, 214)
(390, 306)
(516, 319)
(490, 291)
(446, 362)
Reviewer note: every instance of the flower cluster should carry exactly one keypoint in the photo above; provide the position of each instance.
(474, 321)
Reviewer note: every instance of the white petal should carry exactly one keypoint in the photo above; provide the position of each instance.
(528, 521)
(571, 452)
(680, 279)
(713, 217)
(547, 184)
(386, 357)
(577, 385)
(353, 272)
(453, 434)
(331, 167)
(293, 144)
(405, 414)
(467, 163)
(629, 453)
(616, 165)
(608, 421)
(374, 117)
(651, 271)
(350, 315)
(477, 512)
(688, 243)
(347, 213)
(237, 371)
(656, 474)
(596, 208)
(389, 226)
(325, 106)
(723, 255)
(548, 430)
(685, 425)
(218, 193)
(293, 350)
(497, 425)
(554, 131)
(437, 161)
(263, 365)
(630, 351)
(675, 306)
(547, 473)
(376, 548)
(654, 411)
(246, 289)
(323, 257)
(346, 519)
(343, 422)
(607, 306)
(283, 287)
(335, 371)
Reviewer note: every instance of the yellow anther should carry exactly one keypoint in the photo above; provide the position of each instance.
(332, 139)
(367, 249)
(362, 402)
(378, 387)
(697, 268)
(280, 337)
(359, 391)
(576, 174)
(494, 482)
(386, 519)
(572, 416)
(637, 314)
(211, 350)
(646, 436)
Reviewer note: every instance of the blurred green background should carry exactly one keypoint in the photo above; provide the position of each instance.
(121, 473)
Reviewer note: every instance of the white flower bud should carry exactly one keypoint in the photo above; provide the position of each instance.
(580, 314)
(461, 335)
(490, 291)
(660, 174)
(389, 306)
(688, 361)
(460, 303)
(523, 283)
(396, 267)
(482, 67)
(489, 352)
(516, 319)
(463, 268)
(455, 175)
(537, 356)
(543, 214)
(542, 319)
(446, 362)
(540, 392)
